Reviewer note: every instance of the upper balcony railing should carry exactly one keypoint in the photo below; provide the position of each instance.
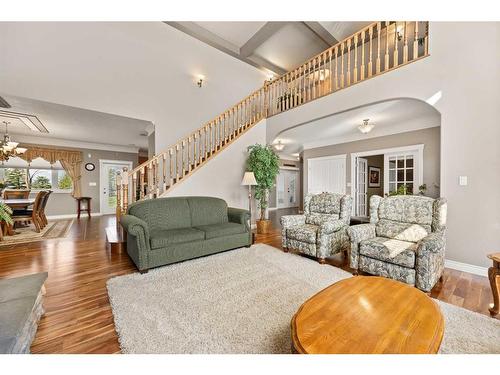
(376, 49)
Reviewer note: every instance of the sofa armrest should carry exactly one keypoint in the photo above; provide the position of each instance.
(134, 226)
(331, 226)
(288, 221)
(430, 260)
(358, 233)
(238, 215)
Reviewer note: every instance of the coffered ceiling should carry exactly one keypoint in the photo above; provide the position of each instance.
(276, 47)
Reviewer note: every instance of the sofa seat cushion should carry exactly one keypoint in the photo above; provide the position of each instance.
(389, 250)
(303, 233)
(164, 237)
(221, 230)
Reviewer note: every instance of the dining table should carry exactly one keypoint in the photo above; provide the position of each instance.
(16, 204)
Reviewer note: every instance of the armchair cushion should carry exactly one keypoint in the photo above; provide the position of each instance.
(305, 233)
(220, 230)
(318, 219)
(389, 250)
(164, 237)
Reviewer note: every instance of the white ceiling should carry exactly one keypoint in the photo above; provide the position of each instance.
(76, 124)
(395, 116)
(291, 46)
(274, 46)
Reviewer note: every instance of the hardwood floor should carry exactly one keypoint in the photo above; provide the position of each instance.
(78, 316)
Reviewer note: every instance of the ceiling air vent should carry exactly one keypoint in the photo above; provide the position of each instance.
(3, 103)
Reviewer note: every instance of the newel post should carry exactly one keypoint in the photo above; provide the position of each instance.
(118, 197)
(125, 189)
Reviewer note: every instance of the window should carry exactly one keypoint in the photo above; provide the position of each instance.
(38, 175)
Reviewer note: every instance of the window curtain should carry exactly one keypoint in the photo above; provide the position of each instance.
(70, 160)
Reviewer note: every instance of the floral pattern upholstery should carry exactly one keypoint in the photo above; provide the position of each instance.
(322, 230)
(405, 240)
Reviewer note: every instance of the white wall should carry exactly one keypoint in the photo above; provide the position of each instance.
(221, 176)
(143, 70)
(469, 83)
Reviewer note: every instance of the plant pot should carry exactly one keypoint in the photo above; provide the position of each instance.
(263, 226)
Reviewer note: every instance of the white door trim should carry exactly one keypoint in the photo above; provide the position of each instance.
(101, 164)
(354, 155)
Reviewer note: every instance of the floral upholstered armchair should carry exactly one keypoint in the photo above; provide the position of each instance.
(405, 240)
(322, 230)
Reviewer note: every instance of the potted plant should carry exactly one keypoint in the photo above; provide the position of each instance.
(264, 163)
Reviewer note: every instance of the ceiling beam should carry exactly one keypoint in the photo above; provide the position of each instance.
(208, 37)
(262, 35)
(322, 33)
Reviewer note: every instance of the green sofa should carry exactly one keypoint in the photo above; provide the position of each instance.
(167, 230)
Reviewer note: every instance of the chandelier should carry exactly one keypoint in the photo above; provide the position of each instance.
(7, 147)
(365, 127)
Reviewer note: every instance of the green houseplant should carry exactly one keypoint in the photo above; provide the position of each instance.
(264, 163)
(5, 213)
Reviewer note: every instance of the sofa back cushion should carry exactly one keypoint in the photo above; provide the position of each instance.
(163, 213)
(207, 211)
(406, 218)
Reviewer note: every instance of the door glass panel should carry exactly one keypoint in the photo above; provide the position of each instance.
(409, 188)
(392, 175)
(401, 162)
(392, 163)
(112, 186)
(401, 175)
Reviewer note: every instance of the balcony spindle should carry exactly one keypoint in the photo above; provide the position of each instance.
(355, 70)
(363, 35)
(396, 47)
(386, 57)
(379, 37)
(141, 192)
(405, 45)
(415, 42)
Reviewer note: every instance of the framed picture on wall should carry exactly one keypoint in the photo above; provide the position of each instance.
(373, 177)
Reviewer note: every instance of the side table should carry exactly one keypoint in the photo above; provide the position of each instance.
(86, 200)
(494, 276)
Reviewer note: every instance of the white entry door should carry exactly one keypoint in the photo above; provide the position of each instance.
(361, 187)
(107, 183)
(287, 187)
(326, 174)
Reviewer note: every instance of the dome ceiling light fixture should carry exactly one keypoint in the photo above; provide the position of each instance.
(365, 127)
(279, 146)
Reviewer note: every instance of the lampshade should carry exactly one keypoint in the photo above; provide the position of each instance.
(249, 179)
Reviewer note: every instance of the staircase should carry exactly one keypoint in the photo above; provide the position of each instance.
(376, 49)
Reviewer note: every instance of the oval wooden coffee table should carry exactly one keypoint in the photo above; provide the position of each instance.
(368, 314)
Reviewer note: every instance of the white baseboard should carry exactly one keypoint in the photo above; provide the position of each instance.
(71, 216)
(465, 267)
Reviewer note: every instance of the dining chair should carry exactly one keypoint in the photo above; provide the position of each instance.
(16, 194)
(42, 209)
(34, 214)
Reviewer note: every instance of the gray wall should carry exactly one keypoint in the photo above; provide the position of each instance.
(430, 137)
(65, 204)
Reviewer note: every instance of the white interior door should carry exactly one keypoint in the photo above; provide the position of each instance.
(326, 175)
(361, 186)
(107, 183)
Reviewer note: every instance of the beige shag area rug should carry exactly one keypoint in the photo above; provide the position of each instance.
(54, 229)
(242, 301)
